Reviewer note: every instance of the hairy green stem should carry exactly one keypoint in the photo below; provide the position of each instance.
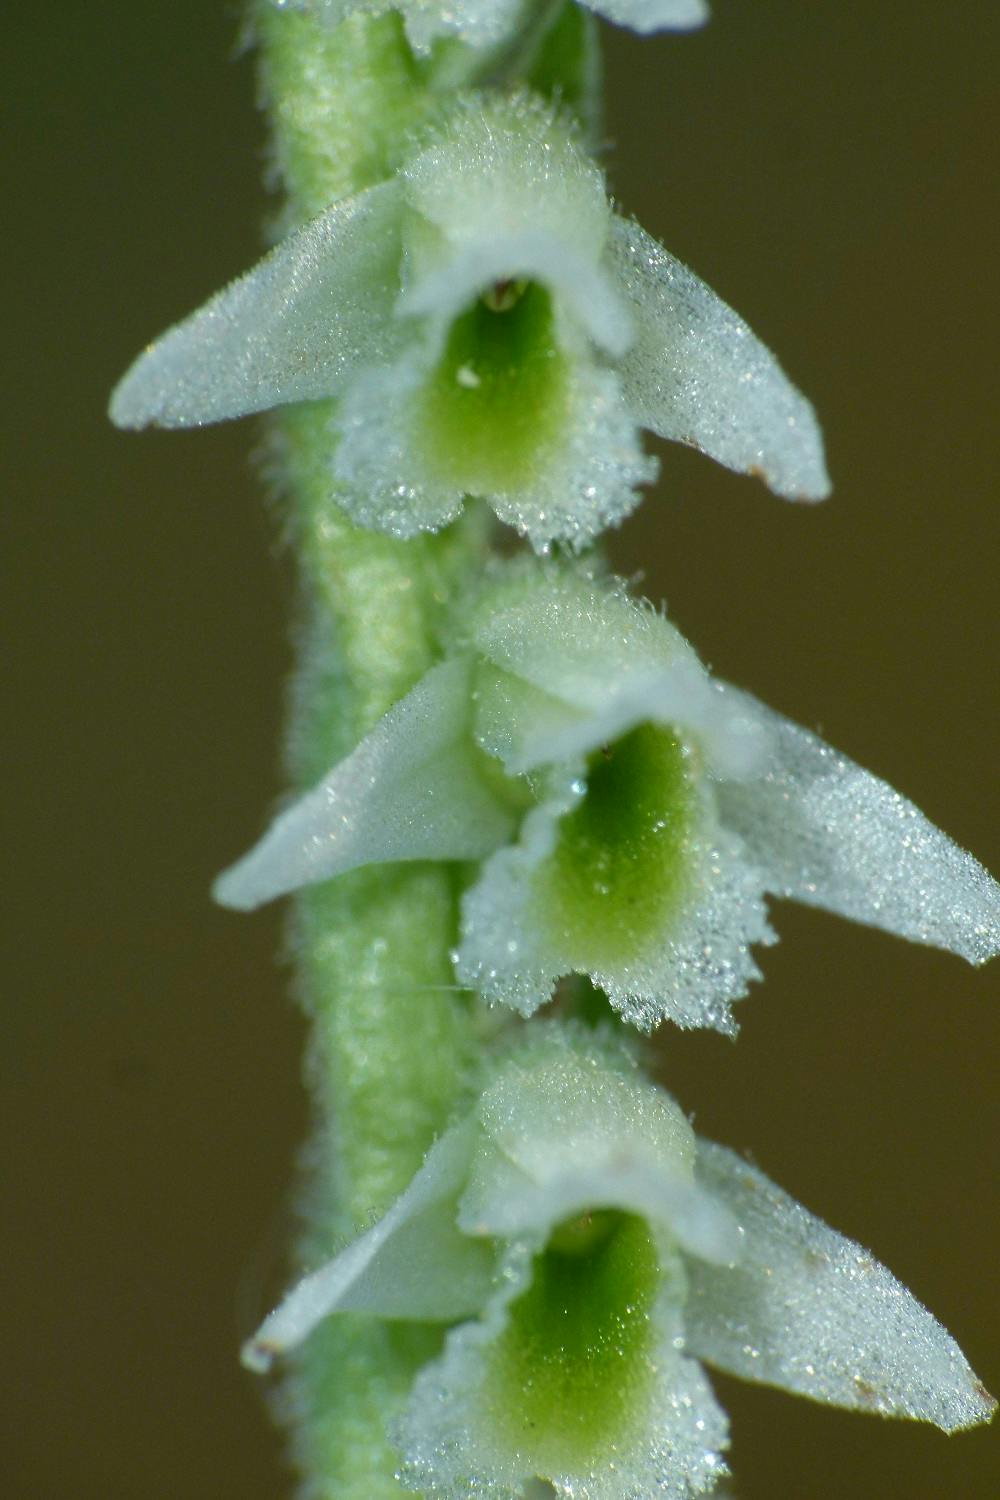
(393, 1039)
(391, 1035)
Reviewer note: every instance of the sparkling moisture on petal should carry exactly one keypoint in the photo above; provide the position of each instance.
(628, 1423)
(509, 169)
(484, 23)
(645, 16)
(827, 833)
(609, 662)
(622, 872)
(510, 164)
(698, 963)
(480, 23)
(572, 1125)
(412, 789)
(697, 374)
(575, 480)
(811, 1311)
(505, 402)
(703, 963)
(571, 1095)
(413, 1263)
(292, 329)
(548, 256)
(505, 1202)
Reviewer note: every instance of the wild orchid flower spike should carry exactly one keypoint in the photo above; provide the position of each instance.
(485, 23)
(591, 1250)
(488, 326)
(630, 813)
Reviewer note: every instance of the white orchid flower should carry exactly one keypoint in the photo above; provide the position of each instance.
(589, 1251)
(630, 813)
(489, 327)
(487, 23)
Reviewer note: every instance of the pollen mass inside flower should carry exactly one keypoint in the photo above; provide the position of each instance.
(573, 1363)
(497, 398)
(618, 868)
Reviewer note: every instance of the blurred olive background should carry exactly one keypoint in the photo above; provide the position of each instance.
(830, 169)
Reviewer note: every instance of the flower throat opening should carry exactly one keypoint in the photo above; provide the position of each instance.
(617, 874)
(572, 1366)
(497, 398)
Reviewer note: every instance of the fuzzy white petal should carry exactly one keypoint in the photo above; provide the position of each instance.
(479, 23)
(503, 1201)
(522, 726)
(698, 375)
(579, 285)
(579, 484)
(575, 1126)
(289, 330)
(377, 460)
(830, 834)
(811, 1311)
(484, 23)
(593, 478)
(411, 790)
(704, 962)
(412, 1263)
(456, 1442)
(505, 167)
(645, 16)
(612, 664)
(570, 1095)
(678, 696)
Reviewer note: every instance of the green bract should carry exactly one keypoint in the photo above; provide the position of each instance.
(488, 326)
(589, 1250)
(630, 813)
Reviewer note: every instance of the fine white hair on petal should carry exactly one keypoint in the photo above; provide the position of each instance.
(579, 483)
(480, 23)
(291, 329)
(645, 16)
(677, 696)
(575, 1125)
(811, 1311)
(511, 167)
(612, 664)
(625, 1176)
(690, 974)
(376, 463)
(592, 480)
(567, 1091)
(585, 646)
(455, 1441)
(827, 833)
(552, 259)
(703, 963)
(411, 790)
(413, 1263)
(483, 23)
(698, 375)
(503, 954)
(503, 192)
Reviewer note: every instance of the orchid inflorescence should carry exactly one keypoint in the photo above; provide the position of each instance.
(480, 324)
